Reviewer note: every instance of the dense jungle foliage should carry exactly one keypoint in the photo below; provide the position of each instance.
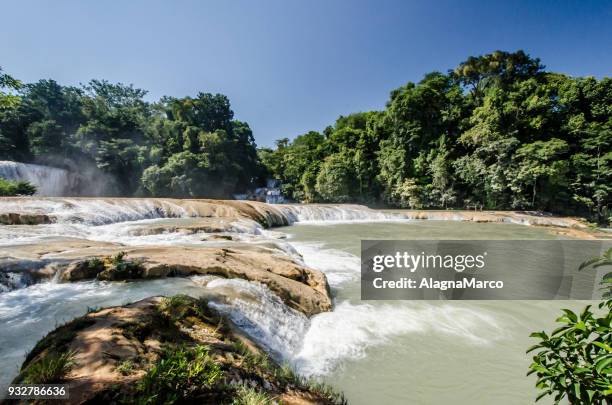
(496, 132)
(175, 147)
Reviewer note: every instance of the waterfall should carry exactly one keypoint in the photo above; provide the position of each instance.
(101, 211)
(335, 213)
(259, 313)
(49, 181)
(97, 211)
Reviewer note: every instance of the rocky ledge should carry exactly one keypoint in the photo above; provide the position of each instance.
(300, 287)
(164, 350)
(14, 218)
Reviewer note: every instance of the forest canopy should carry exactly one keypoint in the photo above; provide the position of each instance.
(499, 131)
(178, 147)
(496, 132)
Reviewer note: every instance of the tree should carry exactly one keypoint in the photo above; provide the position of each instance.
(8, 100)
(575, 360)
(538, 162)
(13, 145)
(335, 179)
(495, 69)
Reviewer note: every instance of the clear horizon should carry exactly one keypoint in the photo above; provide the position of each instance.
(291, 67)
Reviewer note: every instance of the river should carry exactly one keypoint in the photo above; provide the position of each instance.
(417, 352)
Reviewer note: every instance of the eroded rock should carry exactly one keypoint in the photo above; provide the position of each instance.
(14, 218)
(114, 355)
(300, 287)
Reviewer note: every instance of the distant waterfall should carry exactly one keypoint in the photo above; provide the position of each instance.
(49, 181)
(338, 213)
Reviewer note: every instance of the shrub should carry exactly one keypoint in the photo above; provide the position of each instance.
(177, 307)
(15, 188)
(285, 375)
(574, 362)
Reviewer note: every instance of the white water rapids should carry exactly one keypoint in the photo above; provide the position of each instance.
(335, 346)
(254, 308)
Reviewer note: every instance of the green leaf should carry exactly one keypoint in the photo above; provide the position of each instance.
(603, 363)
(576, 387)
(589, 262)
(542, 395)
(590, 393)
(570, 314)
(541, 335)
(603, 263)
(586, 312)
(603, 346)
(532, 348)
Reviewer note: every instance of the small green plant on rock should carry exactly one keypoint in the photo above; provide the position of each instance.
(246, 395)
(119, 268)
(95, 263)
(49, 369)
(177, 307)
(182, 374)
(126, 367)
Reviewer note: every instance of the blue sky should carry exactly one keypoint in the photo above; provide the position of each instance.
(291, 66)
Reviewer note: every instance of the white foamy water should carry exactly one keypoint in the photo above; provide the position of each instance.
(12, 281)
(330, 214)
(92, 211)
(338, 266)
(351, 330)
(103, 211)
(317, 346)
(49, 181)
(261, 314)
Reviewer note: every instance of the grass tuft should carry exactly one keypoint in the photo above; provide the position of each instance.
(182, 374)
(49, 369)
(126, 367)
(245, 395)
